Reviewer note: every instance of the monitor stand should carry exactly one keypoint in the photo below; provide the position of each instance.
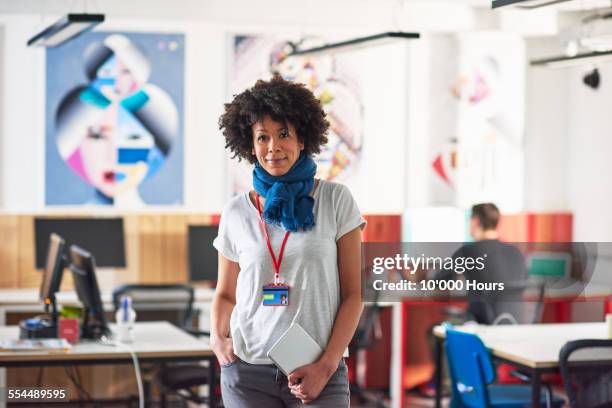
(40, 328)
(93, 330)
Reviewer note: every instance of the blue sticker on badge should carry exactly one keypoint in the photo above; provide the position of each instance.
(274, 295)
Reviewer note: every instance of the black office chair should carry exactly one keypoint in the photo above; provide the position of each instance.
(367, 333)
(174, 304)
(519, 303)
(169, 302)
(586, 368)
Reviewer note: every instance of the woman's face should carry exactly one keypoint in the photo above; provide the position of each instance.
(276, 145)
(114, 152)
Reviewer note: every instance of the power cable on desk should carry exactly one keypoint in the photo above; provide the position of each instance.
(138, 378)
(136, 367)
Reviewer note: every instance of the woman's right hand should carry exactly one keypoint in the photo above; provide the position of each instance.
(223, 347)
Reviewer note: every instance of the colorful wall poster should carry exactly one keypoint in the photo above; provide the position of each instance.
(114, 120)
(334, 82)
(483, 160)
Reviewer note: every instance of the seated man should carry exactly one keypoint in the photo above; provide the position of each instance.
(504, 262)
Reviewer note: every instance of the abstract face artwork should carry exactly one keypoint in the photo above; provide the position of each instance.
(336, 83)
(338, 92)
(117, 130)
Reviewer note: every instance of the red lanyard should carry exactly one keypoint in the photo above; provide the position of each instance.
(275, 262)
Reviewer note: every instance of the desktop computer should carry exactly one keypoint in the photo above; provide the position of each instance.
(83, 267)
(37, 328)
(203, 257)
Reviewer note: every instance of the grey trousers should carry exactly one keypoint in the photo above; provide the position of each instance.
(245, 385)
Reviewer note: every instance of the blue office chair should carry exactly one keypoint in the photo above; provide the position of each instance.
(472, 374)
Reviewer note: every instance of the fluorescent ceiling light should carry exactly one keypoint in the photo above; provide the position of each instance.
(65, 28)
(560, 5)
(526, 4)
(356, 43)
(577, 60)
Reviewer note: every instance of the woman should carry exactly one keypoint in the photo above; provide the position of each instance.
(291, 232)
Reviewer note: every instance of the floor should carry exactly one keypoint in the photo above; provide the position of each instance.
(413, 400)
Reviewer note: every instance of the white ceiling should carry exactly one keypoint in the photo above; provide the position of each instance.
(425, 16)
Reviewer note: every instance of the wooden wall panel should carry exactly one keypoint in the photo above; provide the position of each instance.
(175, 248)
(9, 233)
(151, 249)
(28, 276)
(202, 219)
(98, 381)
(131, 227)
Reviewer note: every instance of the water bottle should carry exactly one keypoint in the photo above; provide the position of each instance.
(125, 318)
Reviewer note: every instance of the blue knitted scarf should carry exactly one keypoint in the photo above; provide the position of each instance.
(288, 202)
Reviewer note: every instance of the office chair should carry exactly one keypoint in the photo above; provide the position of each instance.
(508, 306)
(367, 332)
(472, 375)
(172, 303)
(512, 306)
(586, 368)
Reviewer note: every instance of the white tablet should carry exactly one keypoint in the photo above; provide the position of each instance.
(294, 349)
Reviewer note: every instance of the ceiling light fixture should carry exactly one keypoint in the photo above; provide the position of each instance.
(564, 61)
(526, 4)
(561, 5)
(65, 28)
(356, 43)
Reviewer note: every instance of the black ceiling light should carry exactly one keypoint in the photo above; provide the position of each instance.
(356, 43)
(592, 79)
(526, 4)
(563, 61)
(65, 28)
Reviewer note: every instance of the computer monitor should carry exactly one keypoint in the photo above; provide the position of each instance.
(83, 267)
(101, 236)
(53, 272)
(550, 265)
(202, 257)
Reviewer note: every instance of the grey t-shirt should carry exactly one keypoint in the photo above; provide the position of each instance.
(309, 267)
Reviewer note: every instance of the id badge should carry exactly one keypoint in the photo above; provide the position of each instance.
(276, 295)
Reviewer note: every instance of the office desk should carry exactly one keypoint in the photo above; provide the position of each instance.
(402, 333)
(27, 300)
(154, 342)
(532, 347)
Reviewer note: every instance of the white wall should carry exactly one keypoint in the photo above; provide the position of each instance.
(590, 156)
(378, 184)
(22, 158)
(1, 111)
(569, 145)
(546, 132)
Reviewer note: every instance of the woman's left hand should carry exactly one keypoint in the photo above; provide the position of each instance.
(307, 382)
